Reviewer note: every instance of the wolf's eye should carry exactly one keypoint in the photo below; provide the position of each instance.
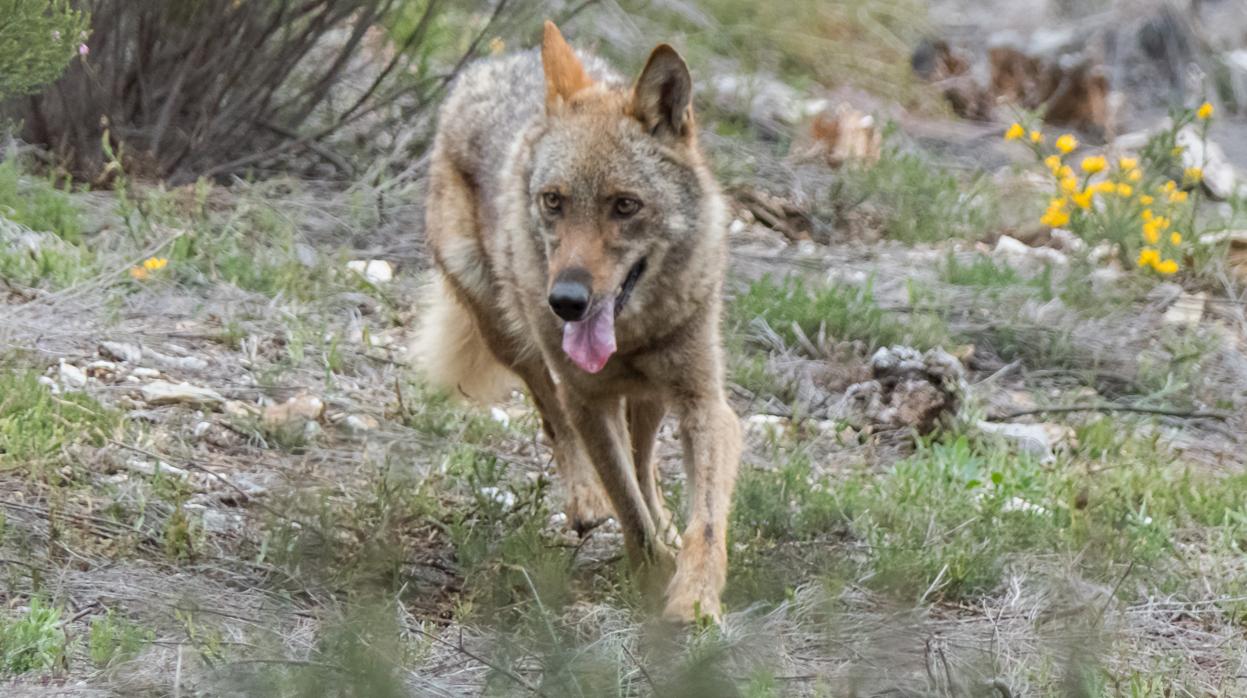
(551, 201)
(626, 206)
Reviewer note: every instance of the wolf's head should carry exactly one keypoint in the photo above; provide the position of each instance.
(614, 188)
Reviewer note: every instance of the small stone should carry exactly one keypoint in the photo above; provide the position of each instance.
(51, 384)
(505, 498)
(184, 363)
(121, 351)
(144, 372)
(145, 468)
(1187, 310)
(500, 416)
(165, 393)
(1040, 440)
(299, 407)
(376, 271)
(200, 429)
(72, 377)
(360, 423)
(241, 410)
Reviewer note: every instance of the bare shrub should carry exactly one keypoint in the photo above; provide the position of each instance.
(217, 87)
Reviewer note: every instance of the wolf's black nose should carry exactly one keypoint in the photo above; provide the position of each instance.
(569, 298)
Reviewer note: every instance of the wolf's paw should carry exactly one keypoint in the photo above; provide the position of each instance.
(586, 507)
(693, 594)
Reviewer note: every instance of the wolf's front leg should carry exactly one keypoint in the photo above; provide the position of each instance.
(604, 432)
(711, 435)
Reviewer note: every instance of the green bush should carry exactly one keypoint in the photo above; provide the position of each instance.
(38, 39)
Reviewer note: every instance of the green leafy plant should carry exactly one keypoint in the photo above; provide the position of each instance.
(38, 39)
(33, 642)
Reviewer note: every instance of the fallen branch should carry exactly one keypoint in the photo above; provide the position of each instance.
(1164, 411)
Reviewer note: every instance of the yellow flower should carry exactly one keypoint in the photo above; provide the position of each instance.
(155, 263)
(1147, 214)
(1178, 197)
(1036, 137)
(1056, 215)
(1053, 162)
(1134, 175)
(1148, 257)
(1083, 199)
(1205, 111)
(1094, 164)
(1125, 191)
(1169, 187)
(1146, 200)
(1151, 232)
(1055, 219)
(1166, 267)
(1015, 132)
(1194, 173)
(1128, 163)
(1175, 238)
(1104, 187)
(1065, 171)
(1177, 151)
(1069, 185)
(139, 273)
(497, 46)
(1066, 143)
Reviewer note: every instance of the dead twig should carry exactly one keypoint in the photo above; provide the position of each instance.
(1164, 411)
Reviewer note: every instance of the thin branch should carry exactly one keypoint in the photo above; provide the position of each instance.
(1165, 411)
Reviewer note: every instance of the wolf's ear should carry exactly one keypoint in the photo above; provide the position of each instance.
(565, 76)
(662, 96)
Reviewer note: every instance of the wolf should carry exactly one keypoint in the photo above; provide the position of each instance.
(580, 244)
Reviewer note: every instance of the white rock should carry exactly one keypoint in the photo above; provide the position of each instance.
(1040, 440)
(200, 429)
(146, 468)
(1069, 242)
(1187, 310)
(1023, 257)
(299, 407)
(500, 416)
(506, 498)
(1218, 172)
(144, 372)
(359, 423)
(165, 393)
(377, 271)
(1019, 504)
(72, 377)
(241, 410)
(185, 363)
(51, 385)
(121, 351)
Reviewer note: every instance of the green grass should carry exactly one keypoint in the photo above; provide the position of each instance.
(38, 203)
(946, 523)
(36, 426)
(845, 313)
(33, 641)
(980, 271)
(114, 639)
(915, 200)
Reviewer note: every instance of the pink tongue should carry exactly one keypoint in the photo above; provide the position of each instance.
(591, 341)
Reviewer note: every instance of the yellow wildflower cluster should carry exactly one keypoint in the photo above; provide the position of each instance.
(1115, 200)
(151, 264)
